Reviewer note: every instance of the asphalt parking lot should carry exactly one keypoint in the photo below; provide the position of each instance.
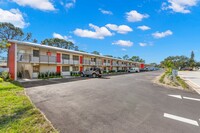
(129, 103)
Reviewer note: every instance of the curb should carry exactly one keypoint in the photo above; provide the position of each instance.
(193, 85)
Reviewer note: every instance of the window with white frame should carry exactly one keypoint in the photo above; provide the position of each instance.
(65, 68)
(75, 68)
(65, 56)
(75, 57)
(36, 53)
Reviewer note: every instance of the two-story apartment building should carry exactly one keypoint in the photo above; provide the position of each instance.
(32, 59)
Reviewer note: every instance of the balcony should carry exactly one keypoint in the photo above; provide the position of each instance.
(28, 58)
(89, 62)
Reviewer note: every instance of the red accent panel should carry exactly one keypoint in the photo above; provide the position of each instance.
(58, 58)
(58, 69)
(11, 61)
(142, 66)
(81, 59)
(49, 53)
(81, 68)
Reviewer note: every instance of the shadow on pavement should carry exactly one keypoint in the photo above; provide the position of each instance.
(49, 82)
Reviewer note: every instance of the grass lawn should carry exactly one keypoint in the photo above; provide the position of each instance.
(17, 114)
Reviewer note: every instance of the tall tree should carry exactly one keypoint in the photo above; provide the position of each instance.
(137, 59)
(192, 61)
(96, 52)
(108, 55)
(9, 31)
(60, 43)
(125, 57)
(175, 62)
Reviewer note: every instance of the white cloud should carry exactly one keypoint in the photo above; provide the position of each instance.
(180, 6)
(97, 33)
(70, 4)
(122, 29)
(123, 49)
(68, 38)
(162, 34)
(143, 44)
(144, 27)
(105, 11)
(13, 16)
(44, 5)
(134, 16)
(123, 43)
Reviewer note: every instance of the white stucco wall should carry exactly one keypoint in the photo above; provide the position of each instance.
(47, 68)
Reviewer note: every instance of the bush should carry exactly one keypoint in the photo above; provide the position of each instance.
(1, 80)
(5, 76)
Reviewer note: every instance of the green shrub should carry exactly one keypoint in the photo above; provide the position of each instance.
(182, 83)
(1, 80)
(5, 76)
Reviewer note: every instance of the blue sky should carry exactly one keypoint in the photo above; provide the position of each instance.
(151, 29)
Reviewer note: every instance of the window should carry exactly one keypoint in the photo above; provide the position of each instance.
(36, 53)
(65, 68)
(93, 59)
(36, 69)
(65, 56)
(108, 61)
(75, 57)
(104, 61)
(75, 68)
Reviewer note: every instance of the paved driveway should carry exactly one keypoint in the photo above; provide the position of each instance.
(119, 104)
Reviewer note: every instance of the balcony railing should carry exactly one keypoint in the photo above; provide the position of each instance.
(45, 59)
(89, 62)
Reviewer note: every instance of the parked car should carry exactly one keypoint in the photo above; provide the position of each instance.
(186, 69)
(93, 71)
(134, 69)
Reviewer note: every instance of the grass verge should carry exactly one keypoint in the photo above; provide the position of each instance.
(167, 79)
(17, 114)
(182, 82)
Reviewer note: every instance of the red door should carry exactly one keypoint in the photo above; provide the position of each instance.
(58, 69)
(142, 66)
(81, 68)
(81, 59)
(58, 58)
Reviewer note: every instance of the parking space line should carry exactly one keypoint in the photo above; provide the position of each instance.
(189, 98)
(182, 119)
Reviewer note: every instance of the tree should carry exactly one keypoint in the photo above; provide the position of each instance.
(125, 57)
(175, 62)
(136, 59)
(60, 43)
(95, 52)
(108, 55)
(9, 32)
(192, 62)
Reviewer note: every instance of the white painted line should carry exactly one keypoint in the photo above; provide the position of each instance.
(176, 96)
(182, 119)
(189, 98)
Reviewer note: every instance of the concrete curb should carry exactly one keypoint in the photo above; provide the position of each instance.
(193, 85)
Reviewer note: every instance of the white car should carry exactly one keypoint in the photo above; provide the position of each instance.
(134, 70)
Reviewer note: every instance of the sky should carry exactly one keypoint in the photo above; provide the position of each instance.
(151, 29)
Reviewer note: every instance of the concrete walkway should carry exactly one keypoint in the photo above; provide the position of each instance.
(192, 78)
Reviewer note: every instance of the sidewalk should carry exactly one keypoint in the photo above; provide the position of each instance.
(192, 78)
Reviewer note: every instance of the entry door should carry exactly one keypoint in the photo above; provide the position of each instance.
(58, 69)
(58, 57)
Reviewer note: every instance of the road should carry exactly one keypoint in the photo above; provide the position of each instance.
(129, 103)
